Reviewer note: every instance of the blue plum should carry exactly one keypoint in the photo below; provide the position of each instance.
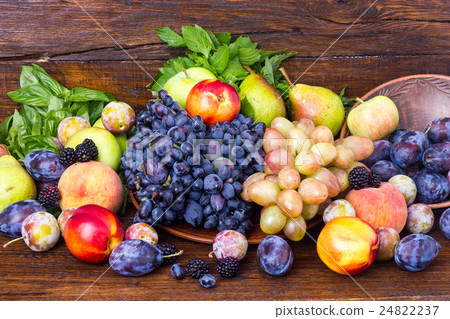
(44, 166)
(12, 216)
(381, 151)
(437, 157)
(177, 271)
(396, 134)
(386, 170)
(274, 255)
(407, 151)
(444, 223)
(135, 257)
(416, 251)
(431, 187)
(438, 130)
(207, 281)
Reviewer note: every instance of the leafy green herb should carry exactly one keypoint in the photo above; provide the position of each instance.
(347, 101)
(45, 103)
(222, 57)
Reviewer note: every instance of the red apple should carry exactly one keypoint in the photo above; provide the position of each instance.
(92, 233)
(214, 101)
(384, 206)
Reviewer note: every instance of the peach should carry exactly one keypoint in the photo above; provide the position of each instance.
(69, 126)
(348, 245)
(90, 183)
(214, 101)
(92, 233)
(389, 239)
(384, 206)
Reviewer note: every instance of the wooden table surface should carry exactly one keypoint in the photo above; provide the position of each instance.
(393, 39)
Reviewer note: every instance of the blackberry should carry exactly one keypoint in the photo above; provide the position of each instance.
(228, 267)
(90, 145)
(374, 179)
(168, 249)
(82, 153)
(68, 157)
(49, 196)
(196, 268)
(358, 177)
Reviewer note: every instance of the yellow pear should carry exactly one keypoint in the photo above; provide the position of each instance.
(15, 183)
(260, 100)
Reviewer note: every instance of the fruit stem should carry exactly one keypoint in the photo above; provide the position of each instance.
(359, 100)
(10, 242)
(249, 69)
(174, 255)
(286, 76)
(210, 255)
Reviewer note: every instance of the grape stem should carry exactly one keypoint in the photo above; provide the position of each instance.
(14, 240)
(210, 255)
(174, 255)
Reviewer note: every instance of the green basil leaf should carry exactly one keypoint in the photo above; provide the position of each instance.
(84, 112)
(277, 59)
(234, 71)
(37, 125)
(245, 42)
(38, 143)
(234, 50)
(220, 58)
(110, 97)
(197, 40)
(27, 76)
(16, 144)
(55, 104)
(49, 82)
(215, 42)
(95, 110)
(248, 56)
(76, 106)
(224, 38)
(4, 129)
(55, 211)
(30, 116)
(19, 123)
(33, 94)
(169, 36)
(267, 72)
(80, 94)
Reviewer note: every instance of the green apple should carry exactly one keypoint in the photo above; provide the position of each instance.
(121, 138)
(109, 152)
(181, 83)
(15, 183)
(374, 119)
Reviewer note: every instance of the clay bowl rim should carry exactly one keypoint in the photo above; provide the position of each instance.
(345, 132)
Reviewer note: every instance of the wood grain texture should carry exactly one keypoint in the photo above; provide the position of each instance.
(126, 80)
(57, 275)
(394, 38)
(62, 30)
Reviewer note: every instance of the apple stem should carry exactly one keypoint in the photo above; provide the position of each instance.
(359, 100)
(174, 255)
(14, 240)
(286, 76)
(249, 69)
(210, 255)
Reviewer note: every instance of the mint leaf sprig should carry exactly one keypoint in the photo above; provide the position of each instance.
(225, 59)
(45, 103)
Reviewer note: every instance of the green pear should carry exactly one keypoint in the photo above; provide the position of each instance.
(181, 83)
(374, 119)
(321, 105)
(260, 100)
(108, 148)
(121, 138)
(15, 183)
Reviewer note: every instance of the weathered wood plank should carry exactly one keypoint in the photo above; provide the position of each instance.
(64, 31)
